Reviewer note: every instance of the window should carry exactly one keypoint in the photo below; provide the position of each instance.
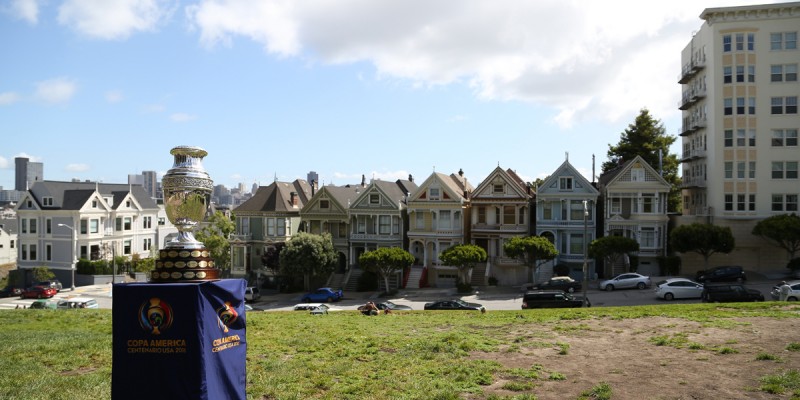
(565, 183)
(728, 169)
(751, 137)
(324, 204)
(509, 215)
(751, 105)
(751, 73)
(420, 218)
(497, 215)
(784, 137)
(777, 170)
(576, 243)
(521, 216)
(147, 244)
(118, 224)
(740, 42)
(126, 247)
(126, 222)
(648, 203)
(647, 237)
(32, 225)
(48, 226)
(445, 220)
(726, 43)
(783, 41)
(728, 138)
(727, 75)
(791, 170)
(740, 203)
(482, 215)
(280, 225)
(396, 224)
(270, 226)
(740, 137)
(147, 222)
(84, 226)
(784, 170)
(751, 41)
(47, 201)
(791, 202)
(547, 210)
(781, 202)
(728, 202)
(752, 203)
(32, 252)
(24, 252)
(375, 198)
(362, 224)
(162, 221)
(784, 105)
(433, 193)
(48, 252)
(740, 105)
(637, 174)
(783, 73)
(776, 73)
(498, 188)
(94, 203)
(752, 170)
(740, 73)
(384, 224)
(727, 106)
(576, 210)
(94, 225)
(244, 225)
(740, 170)
(616, 205)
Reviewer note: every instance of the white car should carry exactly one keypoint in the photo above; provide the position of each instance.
(794, 294)
(251, 293)
(628, 280)
(678, 288)
(316, 308)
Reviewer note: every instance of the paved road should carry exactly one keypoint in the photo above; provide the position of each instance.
(493, 298)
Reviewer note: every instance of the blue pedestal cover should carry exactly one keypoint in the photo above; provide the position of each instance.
(179, 341)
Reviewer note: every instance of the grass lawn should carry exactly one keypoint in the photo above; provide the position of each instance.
(66, 354)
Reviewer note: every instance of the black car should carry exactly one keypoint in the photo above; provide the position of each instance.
(388, 305)
(10, 291)
(722, 274)
(552, 299)
(453, 305)
(563, 283)
(729, 293)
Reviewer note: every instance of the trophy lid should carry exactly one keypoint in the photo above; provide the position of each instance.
(188, 161)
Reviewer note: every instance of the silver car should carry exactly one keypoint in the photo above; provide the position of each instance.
(678, 288)
(628, 280)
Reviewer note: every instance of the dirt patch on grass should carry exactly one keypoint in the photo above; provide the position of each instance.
(646, 358)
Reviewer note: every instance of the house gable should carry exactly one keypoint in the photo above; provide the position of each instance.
(438, 188)
(565, 181)
(637, 172)
(500, 184)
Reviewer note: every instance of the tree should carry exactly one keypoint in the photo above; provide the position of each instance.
(308, 254)
(644, 138)
(783, 230)
(463, 256)
(43, 273)
(385, 261)
(612, 248)
(215, 235)
(703, 239)
(531, 250)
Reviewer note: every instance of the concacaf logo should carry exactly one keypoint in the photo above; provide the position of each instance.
(227, 316)
(155, 316)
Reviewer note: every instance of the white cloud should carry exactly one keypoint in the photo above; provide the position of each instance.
(114, 96)
(585, 60)
(58, 90)
(4, 164)
(29, 157)
(27, 10)
(77, 167)
(7, 98)
(182, 117)
(116, 19)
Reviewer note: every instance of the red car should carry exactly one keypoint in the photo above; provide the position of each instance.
(38, 292)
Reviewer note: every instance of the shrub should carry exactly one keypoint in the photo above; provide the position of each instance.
(463, 287)
(368, 282)
(561, 270)
(794, 264)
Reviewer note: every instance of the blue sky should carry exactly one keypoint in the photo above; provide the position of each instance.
(100, 89)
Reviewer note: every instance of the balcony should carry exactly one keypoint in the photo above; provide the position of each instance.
(241, 238)
(693, 154)
(691, 125)
(691, 69)
(696, 182)
(691, 97)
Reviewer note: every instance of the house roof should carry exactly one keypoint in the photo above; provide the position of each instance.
(277, 197)
(74, 195)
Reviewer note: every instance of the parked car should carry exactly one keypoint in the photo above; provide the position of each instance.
(730, 292)
(388, 305)
(626, 281)
(453, 305)
(78, 302)
(38, 292)
(678, 288)
(251, 293)
(53, 283)
(794, 294)
(43, 305)
(552, 299)
(10, 291)
(722, 274)
(317, 309)
(248, 307)
(323, 295)
(563, 283)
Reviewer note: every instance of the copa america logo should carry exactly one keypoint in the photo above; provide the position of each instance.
(226, 316)
(155, 316)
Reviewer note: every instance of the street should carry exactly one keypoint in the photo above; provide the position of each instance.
(493, 298)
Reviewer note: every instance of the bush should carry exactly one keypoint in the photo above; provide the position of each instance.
(794, 264)
(463, 288)
(492, 281)
(669, 265)
(561, 270)
(368, 282)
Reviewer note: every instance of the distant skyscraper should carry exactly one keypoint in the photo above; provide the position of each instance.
(150, 183)
(27, 172)
(254, 189)
(312, 177)
(134, 179)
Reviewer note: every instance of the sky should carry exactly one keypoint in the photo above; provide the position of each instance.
(97, 90)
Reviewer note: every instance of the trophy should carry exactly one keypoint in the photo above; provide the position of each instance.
(187, 190)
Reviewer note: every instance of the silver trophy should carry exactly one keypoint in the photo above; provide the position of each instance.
(187, 193)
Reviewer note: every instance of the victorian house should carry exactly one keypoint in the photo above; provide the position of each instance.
(635, 197)
(500, 210)
(263, 224)
(378, 218)
(438, 212)
(565, 214)
(60, 222)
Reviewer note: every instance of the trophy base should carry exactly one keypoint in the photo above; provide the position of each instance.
(176, 265)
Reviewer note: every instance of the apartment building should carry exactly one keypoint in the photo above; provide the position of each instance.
(740, 126)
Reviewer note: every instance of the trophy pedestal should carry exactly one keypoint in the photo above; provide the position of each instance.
(179, 341)
(184, 265)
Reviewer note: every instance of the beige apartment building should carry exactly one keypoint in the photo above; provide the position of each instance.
(740, 127)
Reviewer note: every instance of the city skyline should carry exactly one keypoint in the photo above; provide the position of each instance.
(275, 90)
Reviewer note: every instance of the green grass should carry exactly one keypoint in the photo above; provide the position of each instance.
(782, 382)
(48, 354)
(601, 391)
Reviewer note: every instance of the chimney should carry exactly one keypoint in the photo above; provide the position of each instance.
(293, 199)
(460, 172)
(313, 187)
(410, 178)
(363, 181)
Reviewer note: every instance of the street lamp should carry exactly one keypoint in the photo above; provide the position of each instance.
(585, 248)
(74, 252)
